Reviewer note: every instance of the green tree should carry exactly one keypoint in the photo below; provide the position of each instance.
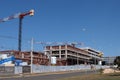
(117, 61)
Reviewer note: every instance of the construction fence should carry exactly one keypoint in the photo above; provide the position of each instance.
(42, 69)
(6, 70)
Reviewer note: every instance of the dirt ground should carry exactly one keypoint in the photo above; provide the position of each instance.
(110, 71)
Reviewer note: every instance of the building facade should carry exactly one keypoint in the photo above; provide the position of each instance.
(109, 60)
(65, 55)
(70, 54)
(96, 56)
(38, 57)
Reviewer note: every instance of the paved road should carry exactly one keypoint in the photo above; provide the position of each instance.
(51, 76)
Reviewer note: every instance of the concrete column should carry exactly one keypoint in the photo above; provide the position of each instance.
(60, 51)
(50, 55)
(50, 50)
(66, 51)
(77, 59)
(45, 51)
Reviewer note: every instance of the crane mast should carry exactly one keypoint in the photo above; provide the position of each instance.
(20, 16)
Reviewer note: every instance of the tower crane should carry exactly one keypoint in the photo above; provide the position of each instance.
(20, 16)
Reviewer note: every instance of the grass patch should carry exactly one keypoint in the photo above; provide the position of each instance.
(114, 76)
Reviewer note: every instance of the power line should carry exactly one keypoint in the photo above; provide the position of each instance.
(8, 37)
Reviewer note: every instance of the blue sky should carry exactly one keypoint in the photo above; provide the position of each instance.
(96, 23)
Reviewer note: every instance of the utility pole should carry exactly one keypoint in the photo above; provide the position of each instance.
(31, 54)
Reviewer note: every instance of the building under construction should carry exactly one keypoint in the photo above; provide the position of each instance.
(38, 57)
(65, 55)
(73, 55)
